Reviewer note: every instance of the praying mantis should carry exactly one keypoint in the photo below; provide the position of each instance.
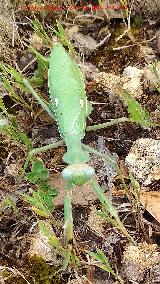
(70, 108)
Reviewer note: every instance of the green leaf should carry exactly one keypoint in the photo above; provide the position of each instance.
(40, 212)
(39, 56)
(2, 106)
(38, 173)
(137, 113)
(135, 184)
(48, 193)
(32, 177)
(64, 39)
(23, 138)
(38, 78)
(102, 261)
(42, 200)
(41, 32)
(9, 201)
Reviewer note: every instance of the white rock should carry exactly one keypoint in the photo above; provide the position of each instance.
(143, 160)
(152, 75)
(132, 81)
(107, 81)
(40, 247)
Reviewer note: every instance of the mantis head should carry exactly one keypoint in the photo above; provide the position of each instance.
(78, 174)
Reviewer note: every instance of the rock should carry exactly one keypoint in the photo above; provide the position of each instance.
(89, 70)
(85, 43)
(12, 170)
(36, 42)
(153, 276)
(146, 8)
(129, 81)
(132, 81)
(95, 222)
(3, 122)
(107, 81)
(40, 247)
(143, 160)
(8, 30)
(147, 53)
(24, 120)
(27, 59)
(152, 75)
(105, 170)
(137, 260)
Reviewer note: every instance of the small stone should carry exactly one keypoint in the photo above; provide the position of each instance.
(83, 195)
(152, 75)
(138, 259)
(143, 160)
(36, 42)
(147, 53)
(89, 70)
(107, 81)
(12, 170)
(132, 81)
(40, 247)
(95, 222)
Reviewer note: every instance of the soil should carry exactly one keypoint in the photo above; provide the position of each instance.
(18, 222)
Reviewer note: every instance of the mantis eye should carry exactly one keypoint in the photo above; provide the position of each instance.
(78, 174)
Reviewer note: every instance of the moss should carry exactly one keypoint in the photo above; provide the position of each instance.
(36, 271)
(116, 60)
(42, 272)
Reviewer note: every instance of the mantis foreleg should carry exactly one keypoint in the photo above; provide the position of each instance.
(35, 151)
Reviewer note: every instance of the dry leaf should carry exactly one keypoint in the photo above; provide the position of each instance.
(151, 201)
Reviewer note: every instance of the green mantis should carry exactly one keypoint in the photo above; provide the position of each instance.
(71, 108)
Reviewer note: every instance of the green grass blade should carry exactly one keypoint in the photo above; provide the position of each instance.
(63, 38)
(40, 31)
(138, 114)
(52, 239)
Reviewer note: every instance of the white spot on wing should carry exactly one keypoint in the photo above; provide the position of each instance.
(56, 102)
(81, 103)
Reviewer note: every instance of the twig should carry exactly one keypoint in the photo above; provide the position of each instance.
(30, 63)
(123, 47)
